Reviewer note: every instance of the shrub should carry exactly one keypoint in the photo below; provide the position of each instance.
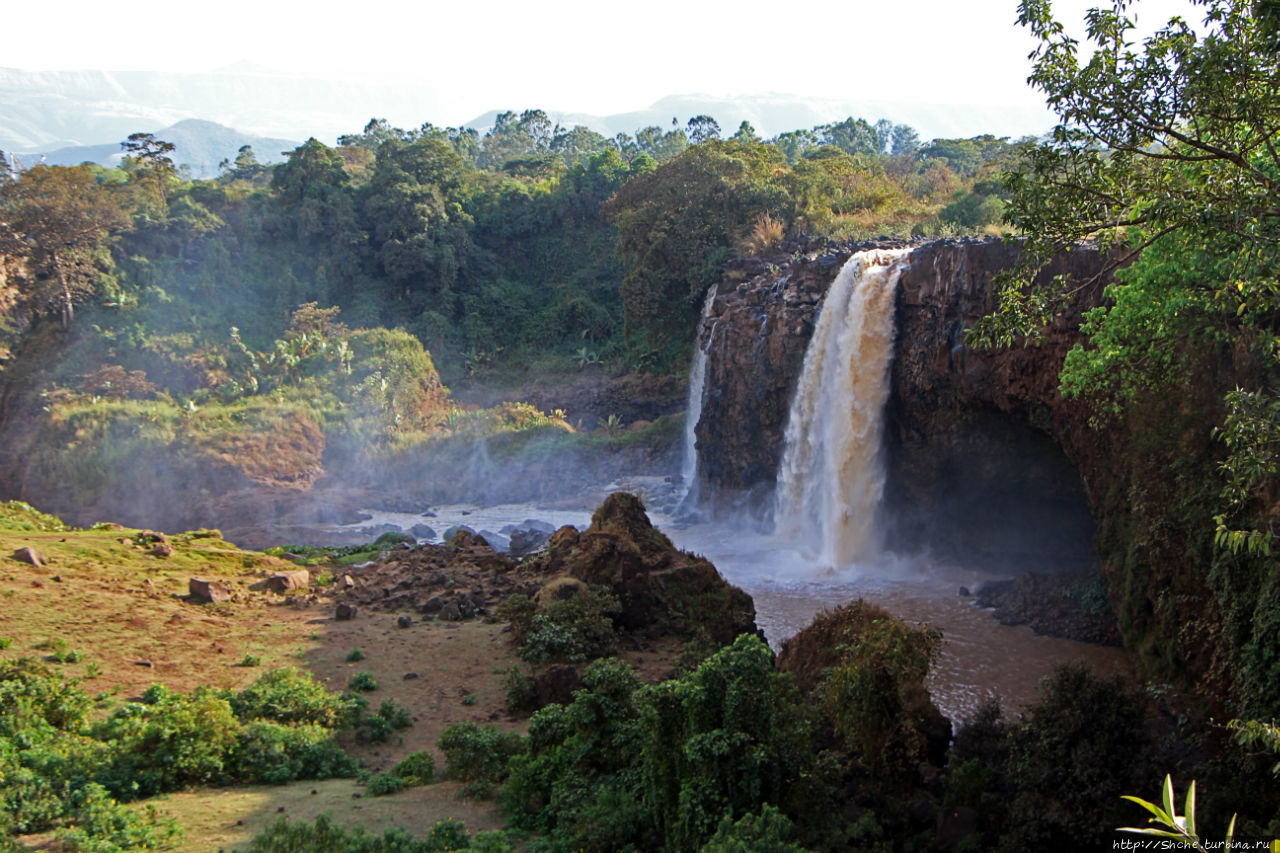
(290, 696)
(722, 742)
(363, 681)
(168, 741)
(519, 610)
(769, 830)
(275, 754)
(417, 768)
(478, 754)
(573, 629)
(355, 655)
(101, 825)
(381, 784)
(521, 694)
(379, 726)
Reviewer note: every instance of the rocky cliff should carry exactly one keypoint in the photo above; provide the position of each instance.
(987, 461)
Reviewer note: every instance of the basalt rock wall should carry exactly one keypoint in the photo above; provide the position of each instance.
(759, 330)
(988, 463)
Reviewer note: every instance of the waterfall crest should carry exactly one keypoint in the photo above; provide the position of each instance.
(697, 387)
(833, 472)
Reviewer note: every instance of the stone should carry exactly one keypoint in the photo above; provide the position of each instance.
(345, 612)
(27, 554)
(423, 531)
(556, 684)
(162, 550)
(347, 582)
(450, 612)
(404, 621)
(209, 592)
(289, 580)
(527, 541)
(496, 541)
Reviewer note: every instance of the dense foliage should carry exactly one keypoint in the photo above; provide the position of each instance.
(490, 249)
(59, 769)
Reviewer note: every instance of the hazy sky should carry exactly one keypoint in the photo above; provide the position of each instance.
(570, 54)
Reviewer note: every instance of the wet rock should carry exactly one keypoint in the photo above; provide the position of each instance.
(496, 541)
(27, 554)
(209, 592)
(373, 531)
(460, 536)
(345, 612)
(287, 581)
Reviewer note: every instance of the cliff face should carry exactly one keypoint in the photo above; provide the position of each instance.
(760, 329)
(987, 461)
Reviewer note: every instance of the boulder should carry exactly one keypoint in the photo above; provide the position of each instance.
(423, 531)
(496, 541)
(162, 550)
(287, 581)
(345, 612)
(209, 592)
(27, 554)
(404, 621)
(556, 684)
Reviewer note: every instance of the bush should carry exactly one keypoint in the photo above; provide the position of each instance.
(325, 836)
(417, 768)
(101, 825)
(168, 741)
(478, 754)
(574, 629)
(275, 754)
(292, 697)
(363, 681)
(754, 833)
(379, 726)
(722, 742)
(381, 784)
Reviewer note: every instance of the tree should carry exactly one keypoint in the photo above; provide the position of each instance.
(702, 128)
(678, 223)
(60, 220)
(1169, 151)
(149, 163)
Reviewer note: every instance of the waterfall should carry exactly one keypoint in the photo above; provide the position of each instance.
(697, 385)
(833, 472)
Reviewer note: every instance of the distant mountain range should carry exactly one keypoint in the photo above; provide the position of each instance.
(198, 145)
(78, 115)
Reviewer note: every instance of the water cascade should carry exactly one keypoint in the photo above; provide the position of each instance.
(833, 471)
(697, 386)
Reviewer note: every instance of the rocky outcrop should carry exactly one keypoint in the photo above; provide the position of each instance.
(663, 590)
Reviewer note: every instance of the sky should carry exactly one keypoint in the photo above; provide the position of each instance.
(573, 55)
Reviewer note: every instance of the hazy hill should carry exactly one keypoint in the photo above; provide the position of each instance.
(200, 145)
(50, 110)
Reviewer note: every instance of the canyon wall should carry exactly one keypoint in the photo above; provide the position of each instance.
(988, 462)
